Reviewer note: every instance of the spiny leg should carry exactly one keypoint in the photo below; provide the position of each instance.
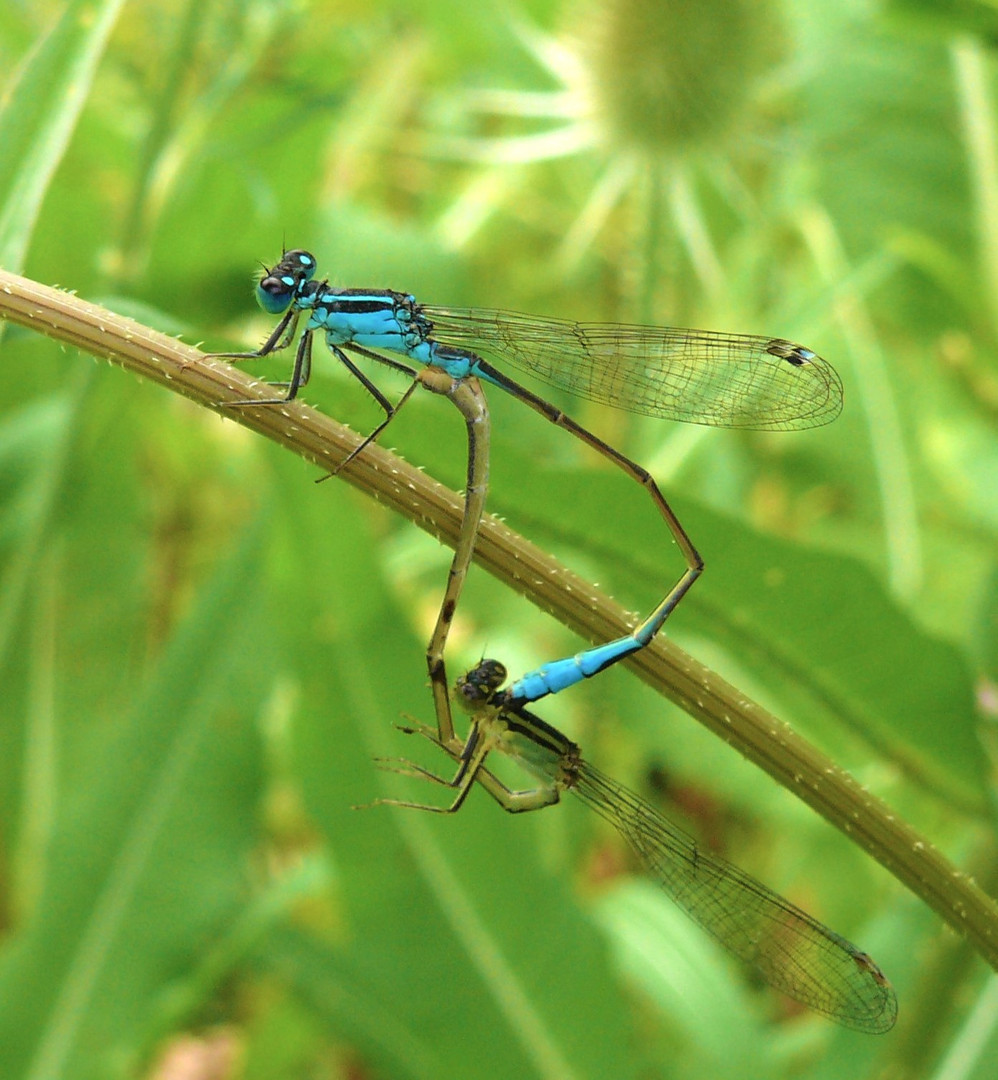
(289, 323)
(471, 769)
(300, 375)
(470, 758)
(390, 410)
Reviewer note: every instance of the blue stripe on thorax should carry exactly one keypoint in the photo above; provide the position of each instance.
(382, 319)
(369, 318)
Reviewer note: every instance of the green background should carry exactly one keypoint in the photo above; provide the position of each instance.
(202, 651)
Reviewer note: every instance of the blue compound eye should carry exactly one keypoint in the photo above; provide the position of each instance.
(274, 293)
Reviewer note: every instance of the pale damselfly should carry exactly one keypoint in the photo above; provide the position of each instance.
(790, 950)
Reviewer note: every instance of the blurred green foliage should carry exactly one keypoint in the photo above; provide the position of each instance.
(202, 651)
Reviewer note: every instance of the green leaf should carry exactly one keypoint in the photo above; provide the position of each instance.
(147, 858)
(39, 113)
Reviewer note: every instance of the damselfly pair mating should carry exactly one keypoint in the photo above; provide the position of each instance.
(731, 380)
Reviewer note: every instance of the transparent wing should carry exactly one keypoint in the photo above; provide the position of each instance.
(698, 376)
(792, 951)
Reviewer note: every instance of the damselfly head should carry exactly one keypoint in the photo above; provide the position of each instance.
(278, 285)
(475, 688)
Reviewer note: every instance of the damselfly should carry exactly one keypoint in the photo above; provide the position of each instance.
(789, 949)
(698, 376)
